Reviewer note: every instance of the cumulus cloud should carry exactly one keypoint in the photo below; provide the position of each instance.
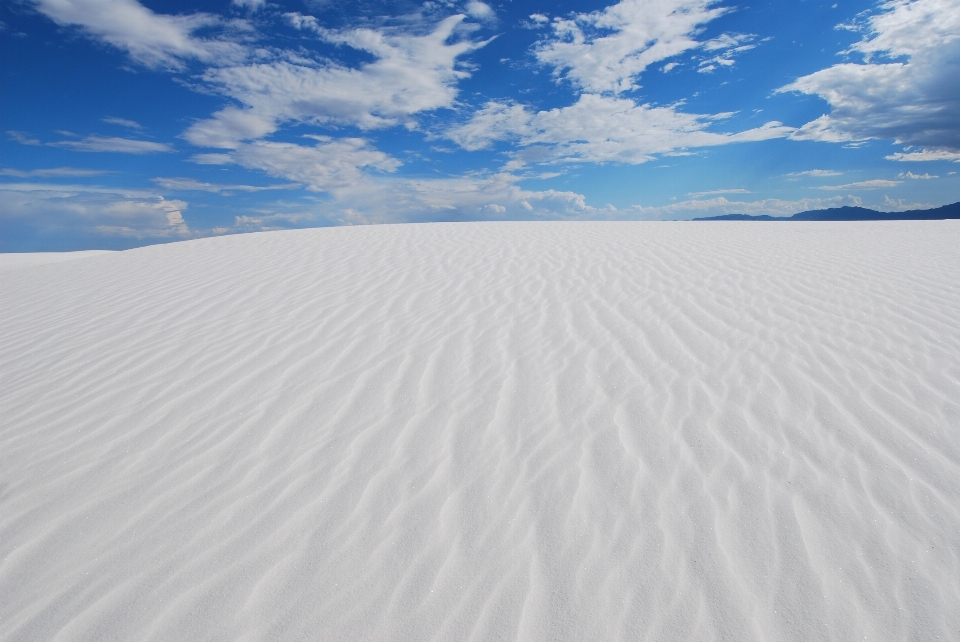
(154, 40)
(916, 177)
(915, 101)
(606, 51)
(113, 144)
(599, 129)
(81, 209)
(480, 10)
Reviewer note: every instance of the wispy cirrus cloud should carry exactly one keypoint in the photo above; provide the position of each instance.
(22, 137)
(817, 173)
(193, 185)
(925, 155)
(122, 122)
(113, 144)
(53, 172)
(150, 38)
(878, 183)
(252, 5)
(717, 192)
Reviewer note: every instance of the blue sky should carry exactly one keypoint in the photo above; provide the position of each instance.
(127, 123)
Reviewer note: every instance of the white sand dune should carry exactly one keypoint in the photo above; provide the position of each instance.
(491, 431)
(16, 260)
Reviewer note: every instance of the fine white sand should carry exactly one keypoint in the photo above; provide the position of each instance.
(16, 260)
(491, 431)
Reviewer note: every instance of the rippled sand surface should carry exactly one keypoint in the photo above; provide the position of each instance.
(492, 431)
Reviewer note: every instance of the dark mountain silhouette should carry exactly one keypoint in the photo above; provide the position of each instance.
(850, 214)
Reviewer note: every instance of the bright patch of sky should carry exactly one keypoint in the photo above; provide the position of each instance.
(128, 122)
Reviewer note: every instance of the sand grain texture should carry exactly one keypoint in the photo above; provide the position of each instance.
(503, 431)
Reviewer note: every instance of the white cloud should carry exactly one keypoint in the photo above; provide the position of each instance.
(913, 102)
(916, 177)
(193, 185)
(411, 74)
(899, 205)
(909, 27)
(113, 144)
(606, 51)
(81, 209)
(252, 5)
(498, 196)
(212, 159)
(267, 222)
(872, 184)
(472, 197)
(229, 127)
(480, 10)
(716, 192)
(599, 129)
(601, 53)
(818, 173)
(53, 172)
(123, 122)
(155, 40)
(22, 137)
(925, 155)
(494, 121)
(331, 164)
(388, 199)
(735, 42)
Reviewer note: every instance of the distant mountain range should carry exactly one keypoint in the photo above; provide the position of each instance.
(849, 214)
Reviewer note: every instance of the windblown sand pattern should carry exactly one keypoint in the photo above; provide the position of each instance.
(507, 431)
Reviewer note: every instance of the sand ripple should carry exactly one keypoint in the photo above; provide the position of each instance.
(531, 431)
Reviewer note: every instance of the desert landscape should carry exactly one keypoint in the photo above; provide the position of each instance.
(486, 431)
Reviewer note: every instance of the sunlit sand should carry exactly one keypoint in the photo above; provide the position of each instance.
(487, 431)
